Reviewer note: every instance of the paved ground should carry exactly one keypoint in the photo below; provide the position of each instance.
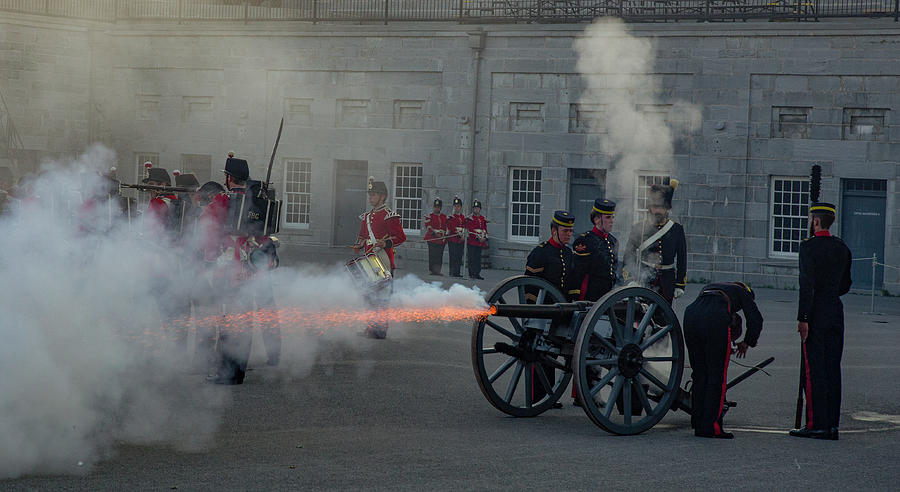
(406, 413)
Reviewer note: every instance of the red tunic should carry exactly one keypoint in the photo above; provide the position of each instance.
(456, 225)
(436, 228)
(381, 223)
(157, 218)
(477, 227)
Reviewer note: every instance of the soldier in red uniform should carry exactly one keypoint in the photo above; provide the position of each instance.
(158, 218)
(435, 236)
(456, 237)
(476, 225)
(380, 230)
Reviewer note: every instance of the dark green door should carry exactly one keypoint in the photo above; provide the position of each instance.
(350, 199)
(862, 227)
(585, 186)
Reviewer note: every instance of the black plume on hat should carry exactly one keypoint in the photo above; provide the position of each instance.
(237, 168)
(815, 183)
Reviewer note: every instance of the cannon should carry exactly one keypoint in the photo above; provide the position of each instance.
(625, 352)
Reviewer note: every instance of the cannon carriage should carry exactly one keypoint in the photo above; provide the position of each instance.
(625, 352)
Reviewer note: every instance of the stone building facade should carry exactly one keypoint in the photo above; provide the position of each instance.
(492, 112)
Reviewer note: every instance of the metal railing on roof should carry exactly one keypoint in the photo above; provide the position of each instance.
(464, 11)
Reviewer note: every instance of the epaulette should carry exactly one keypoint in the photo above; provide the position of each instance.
(362, 216)
(388, 213)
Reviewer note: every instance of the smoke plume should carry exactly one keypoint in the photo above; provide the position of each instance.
(90, 363)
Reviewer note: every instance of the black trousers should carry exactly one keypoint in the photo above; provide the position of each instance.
(456, 257)
(822, 353)
(474, 260)
(435, 257)
(235, 339)
(707, 334)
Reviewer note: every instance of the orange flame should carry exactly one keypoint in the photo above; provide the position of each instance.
(321, 321)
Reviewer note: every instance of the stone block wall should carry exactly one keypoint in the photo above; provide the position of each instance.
(411, 93)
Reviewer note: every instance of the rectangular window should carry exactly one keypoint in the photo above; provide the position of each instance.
(352, 113)
(790, 122)
(864, 123)
(298, 111)
(408, 195)
(197, 109)
(408, 114)
(139, 159)
(525, 204)
(586, 118)
(642, 189)
(297, 182)
(148, 107)
(790, 202)
(526, 117)
(197, 164)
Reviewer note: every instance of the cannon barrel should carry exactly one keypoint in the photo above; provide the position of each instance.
(540, 311)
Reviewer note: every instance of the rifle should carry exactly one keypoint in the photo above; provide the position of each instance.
(146, 187)
(264, 187)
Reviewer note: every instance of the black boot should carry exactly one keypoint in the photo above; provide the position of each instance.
(811, 433)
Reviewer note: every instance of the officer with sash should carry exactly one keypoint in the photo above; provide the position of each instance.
(596, 253)
(656, 254)
(380, 232)
(824, 278)
(553, 261)
(436, 237)
(456, 238)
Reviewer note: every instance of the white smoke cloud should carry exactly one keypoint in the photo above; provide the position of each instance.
(638, 125)
(87, 362)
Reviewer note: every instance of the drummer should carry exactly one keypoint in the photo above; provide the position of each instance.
(379, 233)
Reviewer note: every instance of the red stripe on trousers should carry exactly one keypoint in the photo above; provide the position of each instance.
(717, 429)
(807, 386)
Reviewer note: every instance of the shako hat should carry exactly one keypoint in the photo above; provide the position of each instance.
(563, 218)
(438, 203)
(159, 175)
(604, 206)
(188, 180)
(457, 201)
(660, 195)
(476, 204)
(237, 168)
(377, 186)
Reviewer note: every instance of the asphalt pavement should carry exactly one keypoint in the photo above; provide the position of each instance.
(406, 413)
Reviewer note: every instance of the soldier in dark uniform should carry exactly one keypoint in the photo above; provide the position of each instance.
(824, 277)
(456, 238)
(435, 237)
(711, 326)
(657, 250)
(553, 261)
(596, 253)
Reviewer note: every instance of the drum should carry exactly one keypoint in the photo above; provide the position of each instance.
(370, 269)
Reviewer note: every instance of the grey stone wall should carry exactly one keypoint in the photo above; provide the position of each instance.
(204, 89)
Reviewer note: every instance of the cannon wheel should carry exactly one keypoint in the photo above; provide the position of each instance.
(629, 359)
(508, 381)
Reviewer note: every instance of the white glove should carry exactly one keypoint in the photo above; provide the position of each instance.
(678, 292)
